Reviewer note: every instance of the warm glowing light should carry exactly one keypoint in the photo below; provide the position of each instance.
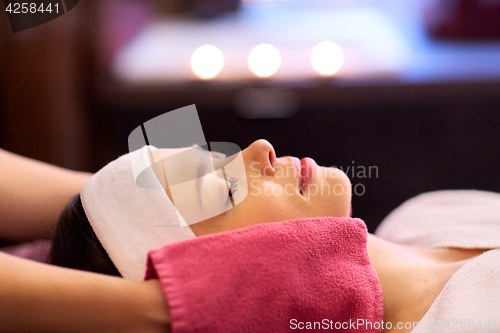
(207, 61)
(327, 58)
(264, 60)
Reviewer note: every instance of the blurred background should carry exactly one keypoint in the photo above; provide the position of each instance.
(404, 96)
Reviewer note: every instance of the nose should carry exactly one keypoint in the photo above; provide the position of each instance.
(260, 156)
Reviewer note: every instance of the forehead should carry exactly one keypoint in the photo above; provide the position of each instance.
(163, 153)
(179, 164)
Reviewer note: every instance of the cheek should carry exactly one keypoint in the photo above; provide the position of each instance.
(275, 186)
(255, 210)
(212, 225)
(279, 206)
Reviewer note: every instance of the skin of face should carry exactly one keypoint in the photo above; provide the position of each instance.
(276, 192)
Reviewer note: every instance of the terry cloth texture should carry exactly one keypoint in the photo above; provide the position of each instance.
(130, 220)
(464, 219)
(265, 278)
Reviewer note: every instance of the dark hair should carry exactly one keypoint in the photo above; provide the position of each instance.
(75, 245)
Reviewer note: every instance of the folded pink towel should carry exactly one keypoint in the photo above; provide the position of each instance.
(306, 273)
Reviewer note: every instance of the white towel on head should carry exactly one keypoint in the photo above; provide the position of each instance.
(470, 300)
(127, 219)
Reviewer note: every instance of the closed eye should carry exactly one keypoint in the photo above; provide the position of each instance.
(232, 188)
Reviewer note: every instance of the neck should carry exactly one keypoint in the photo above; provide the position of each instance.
(411, 278)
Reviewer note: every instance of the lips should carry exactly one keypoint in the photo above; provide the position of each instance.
(307, 173)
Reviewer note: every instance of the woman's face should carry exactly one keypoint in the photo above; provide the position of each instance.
(280, 189)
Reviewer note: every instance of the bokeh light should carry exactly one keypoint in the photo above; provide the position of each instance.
(264, 60)
(327, 58)
(207, 62)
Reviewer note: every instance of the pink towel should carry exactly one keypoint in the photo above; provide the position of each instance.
(276, 277)
(37, 250)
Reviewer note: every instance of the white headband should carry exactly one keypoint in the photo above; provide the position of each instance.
(129, 220)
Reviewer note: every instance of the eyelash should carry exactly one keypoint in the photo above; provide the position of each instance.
(232, 187)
